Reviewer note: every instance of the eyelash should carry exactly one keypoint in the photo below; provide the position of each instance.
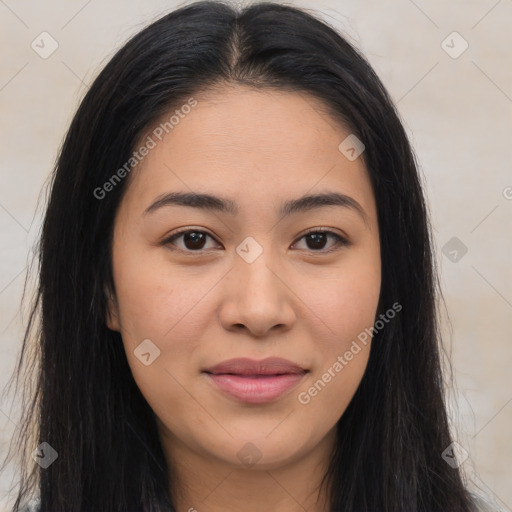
(341, 241)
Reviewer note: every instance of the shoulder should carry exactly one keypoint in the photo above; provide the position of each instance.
(31, 506)
(484, 504)
(481, 505)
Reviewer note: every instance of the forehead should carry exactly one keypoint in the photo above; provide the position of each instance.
(265, 143)
(263, 123)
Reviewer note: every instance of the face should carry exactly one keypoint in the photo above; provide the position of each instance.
(254, 274)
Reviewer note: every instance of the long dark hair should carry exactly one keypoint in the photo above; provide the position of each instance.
(87, 405)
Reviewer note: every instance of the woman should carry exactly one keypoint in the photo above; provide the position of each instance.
(237, 290)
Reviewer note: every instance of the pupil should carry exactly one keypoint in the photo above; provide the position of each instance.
(193, 240)
(318, 238)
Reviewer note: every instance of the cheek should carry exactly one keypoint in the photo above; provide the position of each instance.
(325, 396)
(346, 303)
(156, 298)
(164, 305)
(344, 298)
(168, 310)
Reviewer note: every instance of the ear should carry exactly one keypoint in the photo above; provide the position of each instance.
(112, 313)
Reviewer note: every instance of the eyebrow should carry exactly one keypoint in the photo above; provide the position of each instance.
(224, 205)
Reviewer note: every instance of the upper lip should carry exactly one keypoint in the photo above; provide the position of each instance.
(245, 366)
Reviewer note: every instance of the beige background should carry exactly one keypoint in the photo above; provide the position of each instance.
(456, 110)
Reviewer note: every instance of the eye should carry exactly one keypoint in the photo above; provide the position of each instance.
(193, 240)
(316, 240)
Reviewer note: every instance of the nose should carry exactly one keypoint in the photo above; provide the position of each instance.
(257, 298)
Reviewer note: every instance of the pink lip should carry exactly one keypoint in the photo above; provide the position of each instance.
(255, 382)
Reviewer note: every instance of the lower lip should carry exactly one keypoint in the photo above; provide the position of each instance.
(255, 390)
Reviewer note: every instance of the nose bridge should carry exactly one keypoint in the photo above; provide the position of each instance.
(258, 298)
(253, 266)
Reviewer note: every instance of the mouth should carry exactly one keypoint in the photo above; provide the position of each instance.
(255, 382)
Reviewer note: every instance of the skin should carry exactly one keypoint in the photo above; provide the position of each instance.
(296, 300)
